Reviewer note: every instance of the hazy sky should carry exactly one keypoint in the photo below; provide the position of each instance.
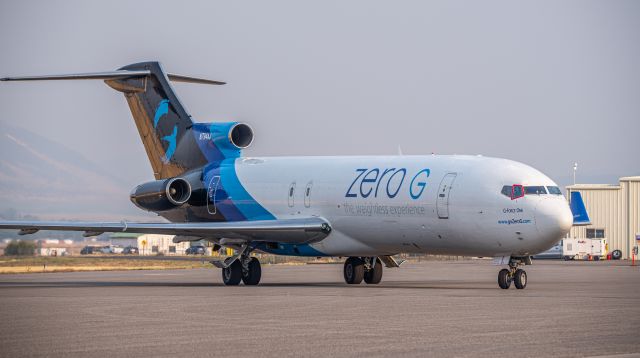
(544, 83)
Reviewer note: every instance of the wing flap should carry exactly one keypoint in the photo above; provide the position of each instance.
(304, 230)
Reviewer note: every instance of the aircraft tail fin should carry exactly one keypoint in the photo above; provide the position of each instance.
(580, 215)
(164, 125)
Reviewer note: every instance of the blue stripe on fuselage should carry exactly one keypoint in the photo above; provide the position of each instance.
(291, 250)
(242, 200)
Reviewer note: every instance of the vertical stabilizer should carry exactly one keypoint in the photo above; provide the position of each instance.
(163, 123)
(580, 215)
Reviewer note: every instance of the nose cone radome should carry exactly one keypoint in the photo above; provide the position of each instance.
(553, 219)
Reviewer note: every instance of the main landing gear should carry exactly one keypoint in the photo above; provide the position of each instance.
(513, 274)
(358, 268)
(242, 268)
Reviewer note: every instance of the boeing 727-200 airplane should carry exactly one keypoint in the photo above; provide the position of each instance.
(365, 208)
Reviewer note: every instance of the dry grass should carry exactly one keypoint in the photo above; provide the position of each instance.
(12, 264)
(73, 264)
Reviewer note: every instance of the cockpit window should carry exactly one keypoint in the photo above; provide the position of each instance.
(537, 190)
(518, 192)
(506, 190)
(554, 190)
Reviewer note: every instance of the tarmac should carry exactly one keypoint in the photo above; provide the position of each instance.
(433, 308)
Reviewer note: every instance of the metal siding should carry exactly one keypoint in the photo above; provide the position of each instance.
(614, 208)
(633, 197)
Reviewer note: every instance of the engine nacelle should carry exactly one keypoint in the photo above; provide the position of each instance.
(161, 195)
(223, 140)
(240, 135)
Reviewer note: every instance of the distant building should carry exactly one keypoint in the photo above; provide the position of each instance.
(152, 244)
(124, 239)
(614, 211)
(55, 247)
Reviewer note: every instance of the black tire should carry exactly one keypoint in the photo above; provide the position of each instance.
(520, 279)
(504, 281)
(253, 274)
(374, 276)
(353, 270)
(232, 275)
(616, 254)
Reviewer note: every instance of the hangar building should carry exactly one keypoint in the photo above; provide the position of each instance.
(614, 211)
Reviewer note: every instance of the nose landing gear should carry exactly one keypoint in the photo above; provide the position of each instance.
(513, 274)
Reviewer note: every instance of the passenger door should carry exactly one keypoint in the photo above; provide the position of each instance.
(211, 194)
(442, 202)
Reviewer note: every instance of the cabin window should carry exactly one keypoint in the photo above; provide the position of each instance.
(554, 190)
(518, 192)
(536, 190)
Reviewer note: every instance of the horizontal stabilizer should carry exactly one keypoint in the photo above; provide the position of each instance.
(580, 215)
(298, 231)
(112, 75)
(187, 79)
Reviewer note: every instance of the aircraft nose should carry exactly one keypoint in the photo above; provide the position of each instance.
(553, 219)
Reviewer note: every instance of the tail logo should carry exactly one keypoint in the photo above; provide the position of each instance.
(162, 110)
(172, 145)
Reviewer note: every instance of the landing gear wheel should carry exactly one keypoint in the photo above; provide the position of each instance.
(520, 279)
(504, 279)
(252, 275)
(374, 275)
(353, 270)
(232, 275)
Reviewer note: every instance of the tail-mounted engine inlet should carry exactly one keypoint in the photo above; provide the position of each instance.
(166, 194)
(178, 191)
(241, 135)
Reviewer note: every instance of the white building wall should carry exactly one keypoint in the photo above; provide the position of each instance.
(613, 208)
(148, 243)
(631, 187)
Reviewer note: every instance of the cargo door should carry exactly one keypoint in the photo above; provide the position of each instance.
(442, 202)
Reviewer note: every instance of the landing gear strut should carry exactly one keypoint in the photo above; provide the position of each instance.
(358, 268)
(244, 268)
(513, 274)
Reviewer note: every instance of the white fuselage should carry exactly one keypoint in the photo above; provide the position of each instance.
(450, 205)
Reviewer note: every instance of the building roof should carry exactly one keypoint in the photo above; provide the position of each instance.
(594, 187)
(124, 235)
(633, 178)
(602, 186)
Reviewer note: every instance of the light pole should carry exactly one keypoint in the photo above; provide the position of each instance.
(575, 168)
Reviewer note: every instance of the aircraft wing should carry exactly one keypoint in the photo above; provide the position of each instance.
(304, 230)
